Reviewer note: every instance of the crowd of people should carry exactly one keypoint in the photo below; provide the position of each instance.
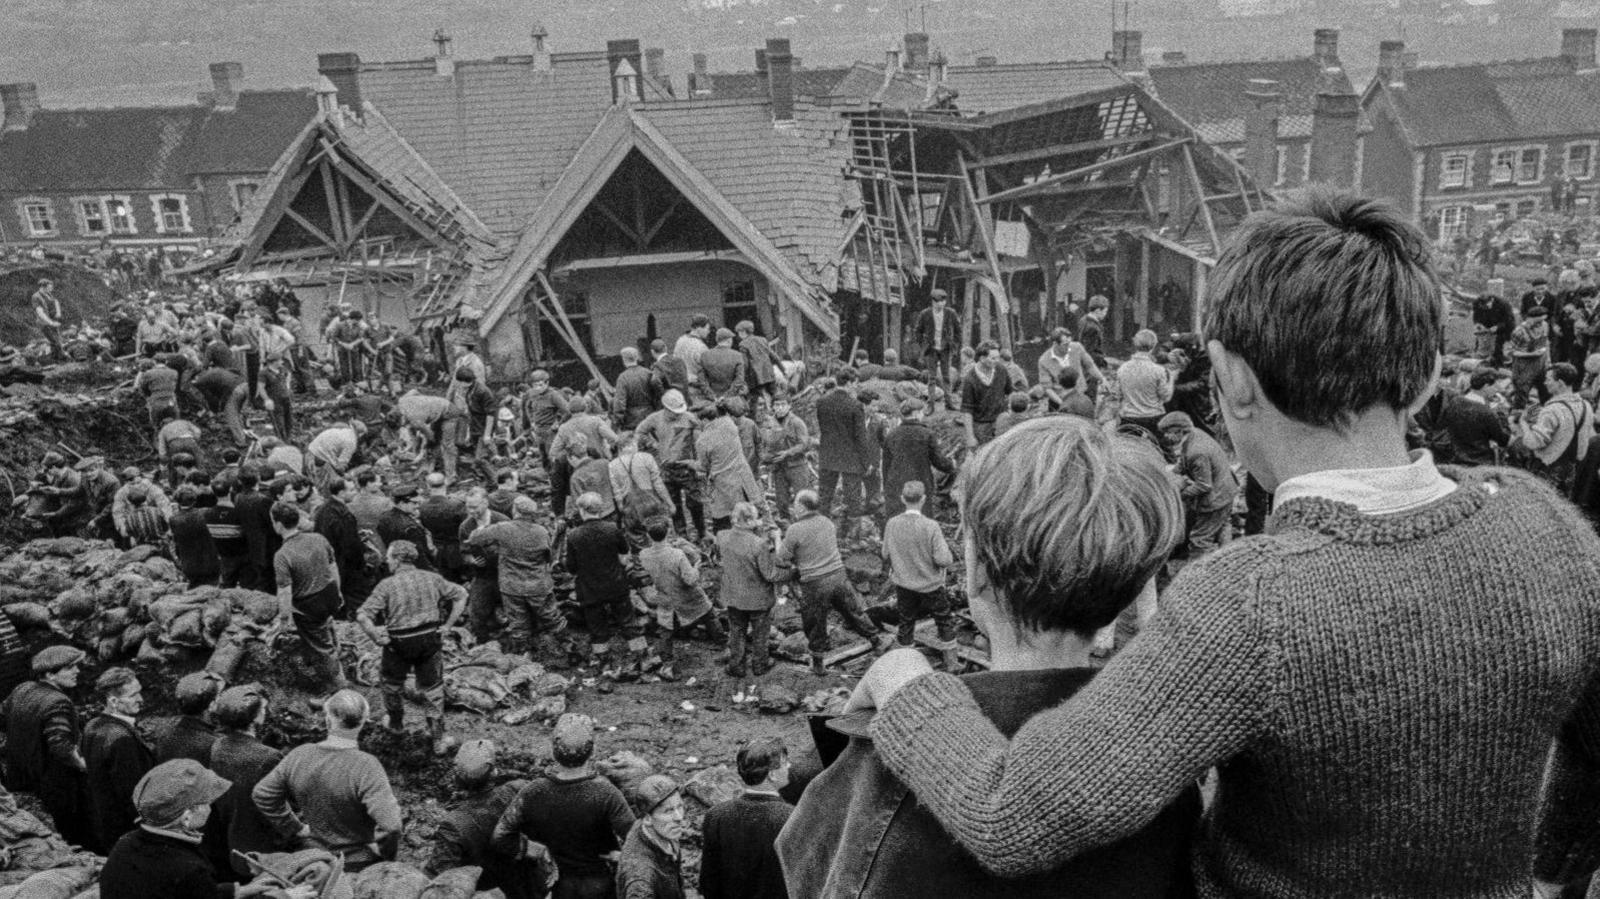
(1387, 691)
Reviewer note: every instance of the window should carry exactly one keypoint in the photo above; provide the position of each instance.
(1453, 170)
(38, 218)
(119, 210)
(1580, 161)
(1530, 165)
(739, 304)
(1282, 167)
(1527, 208)
(1503, 170)
(91, 217)
(1452, 222)
(242, 192)
(172, 214)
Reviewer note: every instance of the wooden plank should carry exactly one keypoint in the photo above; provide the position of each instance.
(986, 235)
(316, 232)
(272, 215)
(360, 227)
(331, 195)
(1067, 149)
(427, 231)
(616, 219)
(572, 332)
(1085, 171)
(1200, 198)
(650, 233)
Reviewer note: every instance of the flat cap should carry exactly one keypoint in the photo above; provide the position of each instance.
(196, 685)
(1175, 420)
(238, 700)
(524, 507)
(55, 658)
(403, 492)
(88, 462)
(651, 792)
(572, 730)
(475, 758)
(173, 787)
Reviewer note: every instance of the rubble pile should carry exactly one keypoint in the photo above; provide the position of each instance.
(36, 863)
(120, 604)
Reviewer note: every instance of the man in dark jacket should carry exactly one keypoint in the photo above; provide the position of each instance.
(337, 524)
(740, 860)
(1491, 313)
(759, 360)
(465, 836)
(190, 735)
(254, 508)
(115, 756)
(239, 755)
(844, 449)
(1475, 422)
(910, 453)
(1191, 389)
(196, 552)
(42, 735)
(400, 523)
(1092, 332)
(594, 553)
(632, 398)
(441, 515)
(667, 372)
(722, 369)
(938, 331)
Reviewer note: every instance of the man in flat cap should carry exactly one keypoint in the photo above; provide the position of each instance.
(410, 603)
(190, 735)
(162, 857)
(42, 733)
(402, 522)
(465, 836)
(239, 756)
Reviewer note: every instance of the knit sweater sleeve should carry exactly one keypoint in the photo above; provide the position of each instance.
(1192, 690)
(1569, 821)
(384, 808)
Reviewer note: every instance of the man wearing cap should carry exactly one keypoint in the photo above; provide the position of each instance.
(159, 386)
(42, 734)
(522, 550)
(722, 369)
(1208, 483)
(67, 509)
(190, 735)
(938, 331)
(595, 551)
(177, 435)
(691, 346)
(483, 592)
(667, 372)
(133, 476)
(1537, 295)
(571, 815)
(115, 756)
(308, 592)
(785, 441)
(47, 315)
(844, 448)
(465, 836)
(239, 756)
(468, 426)
(910, 453)
(1530, 354)
(99, 493)
(334, 794)
(348, 333)
(632, 399)
(162, 857)
(760, 363)
(400, 523)
(720, 458)
(651, 863)
(585, 420)
(331, 451)
(224, 392)
(669, 434)
(408, 602)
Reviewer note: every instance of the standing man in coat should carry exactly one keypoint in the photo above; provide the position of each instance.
(631, 399)
(722, 369)
(785, 441)
(844, 451)
(719, 455)
(42, 735)
(337, 524)
(759, 361)
(115, 756)
(911, 453)
(938, 330)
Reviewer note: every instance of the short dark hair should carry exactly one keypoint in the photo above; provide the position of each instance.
(657, 528)
(1019, 402)
(112, 681)
(363, 478)
(336, 486)
(186, 496)
(758, 759)
(699, 321)
(1067, 378)
(845, 376)
(506, 476)
(1333, 302)
(984, 349)
(1483, 377)
(1567, 374)
(286, 514)
(238, 716)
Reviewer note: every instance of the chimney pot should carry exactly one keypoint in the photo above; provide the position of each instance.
(1392, 63)
(1127, 50)
(917, 45)
(780, 79)
(1174, 58)
(343, 71)
(627, 65)
(541, 52)
(20, 102)
(1578, 47)
(1333, 139)
(227, 79)
(891, 60)
(761, 61)
(1325, 47)
(700, 78)
(1261, 131)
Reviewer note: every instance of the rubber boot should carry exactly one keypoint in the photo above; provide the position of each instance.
(436, 734)
(952, 662)
(817, 668)
(397, 722)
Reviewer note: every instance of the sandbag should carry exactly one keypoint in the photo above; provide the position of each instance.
(131, 639)
(457, 883)
(484, 680)
(26, 615)
(61, 883)
(624, 769)
(389, 880)
(713, 785)
(73, 604)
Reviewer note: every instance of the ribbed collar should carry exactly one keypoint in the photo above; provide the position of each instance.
(1471, 490)
(1373, 491)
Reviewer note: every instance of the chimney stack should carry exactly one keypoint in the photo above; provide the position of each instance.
(700, 80)
(442, 63)
(227, 79)
(626, 65)
(327, 98)
(891, 60)
(343, 71)
(541, 52)
(1333, 139)
(1261, 131)
(916, 44)
(1174, 58)
(21, 101)
(1577, 47)
(1127, 50)
(780, 79)
(1392, 63)
(655, 66)
(1325, 47)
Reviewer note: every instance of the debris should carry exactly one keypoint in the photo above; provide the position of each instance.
(624, 769)
(710, 786)
(777, 699)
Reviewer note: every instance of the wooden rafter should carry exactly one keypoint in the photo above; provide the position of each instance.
(377, 193)
(1109, 143)
(1125, 159)
(615, 219)
(273, 214)
(660, 222)
(1200, 199)
(316, 232)
(565, 327)
(331, 193)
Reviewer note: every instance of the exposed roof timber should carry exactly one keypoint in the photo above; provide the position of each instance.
(1066, 149)
(1042, 184)
(1076, 101)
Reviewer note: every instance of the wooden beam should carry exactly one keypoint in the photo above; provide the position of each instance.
(272, 215)
(651, 232)
(331, 194)
(315, 231)
(1068, 149)
(986, 235)
(360, 227)
(1085, 171)
(428, 232)
(1200, 198)
(571, 332)
(615, 219)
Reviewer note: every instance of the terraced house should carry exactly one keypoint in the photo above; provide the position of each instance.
(1460, 146)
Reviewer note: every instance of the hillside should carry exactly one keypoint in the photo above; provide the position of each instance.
(95, 52)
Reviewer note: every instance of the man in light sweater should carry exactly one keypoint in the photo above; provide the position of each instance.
(918, 557)
(1386, 634)
(1145, 385)
(333, 794)
(811, 548)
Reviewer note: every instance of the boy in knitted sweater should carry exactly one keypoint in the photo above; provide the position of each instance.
(1378, 680)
